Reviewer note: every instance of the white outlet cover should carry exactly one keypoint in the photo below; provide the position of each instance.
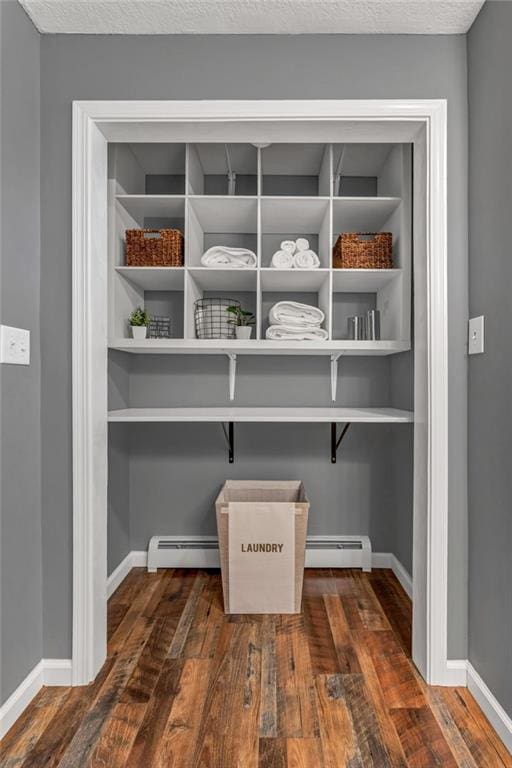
(476, 335)
(14, 345)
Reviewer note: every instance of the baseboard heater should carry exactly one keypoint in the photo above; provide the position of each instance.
(203, 552)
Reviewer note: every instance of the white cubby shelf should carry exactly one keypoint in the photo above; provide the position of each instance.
(279, 192)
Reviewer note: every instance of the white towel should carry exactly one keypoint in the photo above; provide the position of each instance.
(289, 246)
(222, 257)
(294, 333)
(295, 314)
(306, 260)
(282, 260)
(302, 244)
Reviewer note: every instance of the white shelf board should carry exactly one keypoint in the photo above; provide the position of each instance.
(226, 213)
(257, 347)
(293, 415)
(362, 214)
(293, 279)
(154, 278)
(212, 279)
(294, 215)
(156, 206)
(362, 280)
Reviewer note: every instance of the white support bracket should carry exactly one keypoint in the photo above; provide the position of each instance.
(232, 375)
(334, 374)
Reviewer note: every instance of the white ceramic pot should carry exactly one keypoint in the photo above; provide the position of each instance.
(139, 331)
(243, 331)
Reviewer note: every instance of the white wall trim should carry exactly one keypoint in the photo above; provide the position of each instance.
(20, 698)
(490, 706)
(45, 672)
(57, 672)
(95, 123)
(388, 560)
(456, 673)
(138, 559)
(134, 559)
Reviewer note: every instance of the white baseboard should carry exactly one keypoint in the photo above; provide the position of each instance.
(133, 559)
(138, 559)
(460, 672)
(456, 674)
(388, 560)
(46, 672)
(490, 706)
(57, 672)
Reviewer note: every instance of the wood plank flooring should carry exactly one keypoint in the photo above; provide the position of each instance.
(185, 686)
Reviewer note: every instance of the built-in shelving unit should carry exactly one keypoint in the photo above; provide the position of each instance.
(279, 192)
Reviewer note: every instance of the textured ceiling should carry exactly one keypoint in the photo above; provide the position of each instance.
(164, 17)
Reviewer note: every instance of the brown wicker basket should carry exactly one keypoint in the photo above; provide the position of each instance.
(357, 250)
(154, 248)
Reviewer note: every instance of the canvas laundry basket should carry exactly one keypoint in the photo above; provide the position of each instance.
(262, 527)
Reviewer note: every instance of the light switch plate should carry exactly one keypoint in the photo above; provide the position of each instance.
(476, 335)
(14, 345)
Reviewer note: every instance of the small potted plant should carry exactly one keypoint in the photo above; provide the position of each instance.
(139, 321)
(242, 320)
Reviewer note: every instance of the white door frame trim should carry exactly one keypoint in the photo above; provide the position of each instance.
(94, 122)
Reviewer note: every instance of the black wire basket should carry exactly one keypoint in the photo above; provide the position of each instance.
(212, 319)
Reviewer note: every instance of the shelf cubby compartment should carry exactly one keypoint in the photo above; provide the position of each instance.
(296, 170)
(210, 167)
(363, 214)
(235, 284)
(159, 289)
(316, 298)
(148, 169)
(230, 221)
(154, 211)
(286, 218)
(368, 170)
(355, 291)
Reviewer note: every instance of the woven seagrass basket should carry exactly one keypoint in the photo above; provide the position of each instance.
(154, 248)
(357, 250)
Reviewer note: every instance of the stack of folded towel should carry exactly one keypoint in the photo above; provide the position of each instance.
(292, 321)
(222, 257)
(295, 253)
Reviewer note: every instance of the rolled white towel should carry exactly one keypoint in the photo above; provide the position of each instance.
(294, 314)
(222, 257)
(288, 246)
(302, 244)
(306, 260)
(292, 333)
(282, 260)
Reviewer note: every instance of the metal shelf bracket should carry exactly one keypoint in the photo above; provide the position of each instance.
(229, 434)
(335, 440)
(334, 374)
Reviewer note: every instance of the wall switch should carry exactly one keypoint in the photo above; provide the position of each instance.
(476, 335)
(14, 345)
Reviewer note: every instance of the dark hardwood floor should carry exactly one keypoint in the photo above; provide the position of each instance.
(185, 686)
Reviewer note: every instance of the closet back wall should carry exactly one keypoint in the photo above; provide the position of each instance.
(219, 67)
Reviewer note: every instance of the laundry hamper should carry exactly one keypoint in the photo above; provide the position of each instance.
(262, 573)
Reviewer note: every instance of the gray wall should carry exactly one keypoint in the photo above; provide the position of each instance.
(20, 442)
(177, 470)
(490, 374)
(85, 67)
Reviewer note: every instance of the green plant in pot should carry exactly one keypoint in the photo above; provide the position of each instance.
(139, 321)
(243, 320)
